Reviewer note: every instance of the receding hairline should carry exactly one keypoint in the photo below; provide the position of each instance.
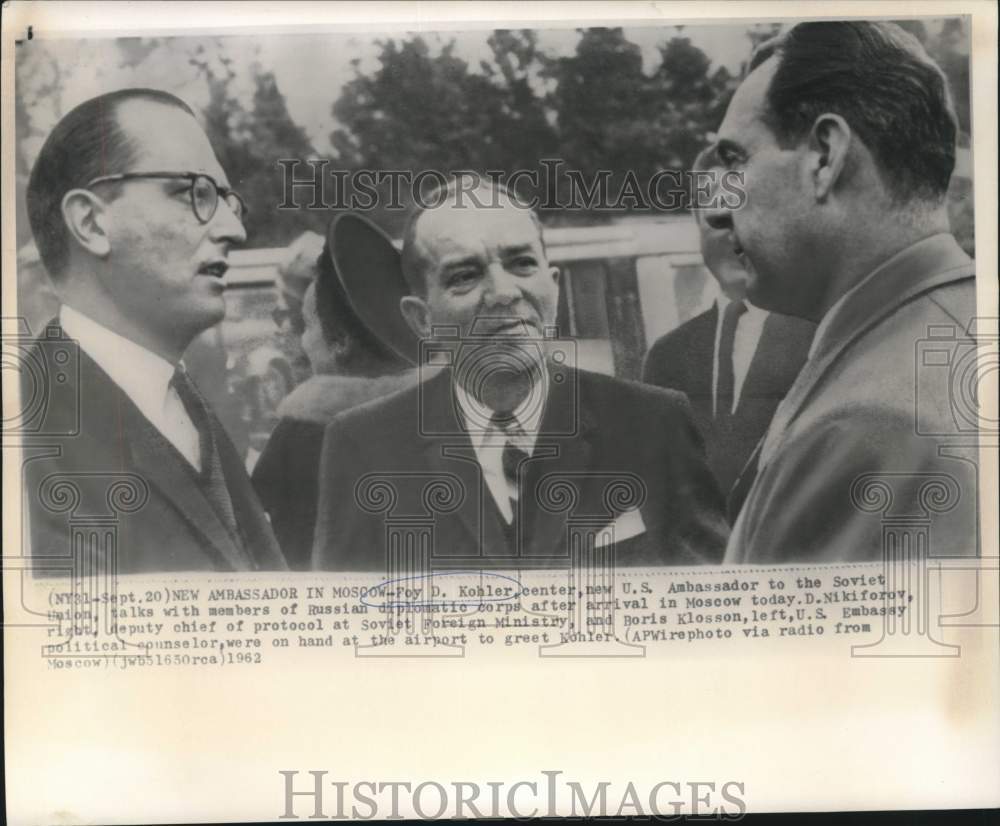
(129, 115)
(122, 102)
(413, 259)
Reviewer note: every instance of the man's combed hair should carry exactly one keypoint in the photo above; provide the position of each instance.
(882, 82)
(86, 144)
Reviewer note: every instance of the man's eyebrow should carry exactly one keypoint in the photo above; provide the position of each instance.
(515, 249)
(455, 263)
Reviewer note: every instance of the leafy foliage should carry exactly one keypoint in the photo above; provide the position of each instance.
(422, 108)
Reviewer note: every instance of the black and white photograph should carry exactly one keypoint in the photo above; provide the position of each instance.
(579, 340)
(709, 295)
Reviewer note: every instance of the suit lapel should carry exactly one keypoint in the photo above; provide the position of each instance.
(699, 366)
(763, 364)
(102, 405)
(744, 482)
(563, 449)
(257, 533)
(132, 440)
(703, 353)
(167, 471)
(561, 456)
(929, 264)
(448, 450)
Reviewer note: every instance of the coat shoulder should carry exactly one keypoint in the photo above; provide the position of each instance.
(382, 412)
(883, 376)
(882, 351)
(676, 357)
(794, 333)
(320, 398)
(957, 301)
(633, 397)
(683, 335)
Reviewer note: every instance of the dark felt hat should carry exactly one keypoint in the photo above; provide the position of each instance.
(371, 273)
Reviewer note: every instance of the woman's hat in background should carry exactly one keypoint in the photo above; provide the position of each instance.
(370, 270)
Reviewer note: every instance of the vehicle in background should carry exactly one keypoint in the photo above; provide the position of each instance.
(623, 286)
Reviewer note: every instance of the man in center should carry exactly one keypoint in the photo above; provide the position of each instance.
(510, 455)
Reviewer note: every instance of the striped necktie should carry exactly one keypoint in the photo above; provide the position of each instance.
(513, 455)
(212, 478)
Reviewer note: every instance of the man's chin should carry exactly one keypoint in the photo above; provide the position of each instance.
(768, 295)
(211, 312)
(754, 287)
(759, 297)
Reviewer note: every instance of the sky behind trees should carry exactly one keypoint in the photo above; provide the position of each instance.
(638, 99)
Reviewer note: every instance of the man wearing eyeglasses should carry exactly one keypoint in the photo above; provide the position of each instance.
(134, 218)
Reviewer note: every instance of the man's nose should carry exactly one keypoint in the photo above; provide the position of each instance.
(226, 226)
(503, 286)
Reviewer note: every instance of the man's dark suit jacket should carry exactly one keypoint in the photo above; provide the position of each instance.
(406, 461)
(683, 360)
(100, 442)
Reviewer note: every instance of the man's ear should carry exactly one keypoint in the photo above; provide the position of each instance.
(86, 219)
(556, 275)
(417, 315)
(830, 143)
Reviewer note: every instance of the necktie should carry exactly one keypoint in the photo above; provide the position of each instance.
(512, 455)
(212, 477)
(725, 389)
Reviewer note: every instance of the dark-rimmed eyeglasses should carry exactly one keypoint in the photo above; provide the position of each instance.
(205, 191)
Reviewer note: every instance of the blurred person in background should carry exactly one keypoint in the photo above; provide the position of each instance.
(267, 360)
(352, 363)
(206, 362)
(734, 361)
(295, 274)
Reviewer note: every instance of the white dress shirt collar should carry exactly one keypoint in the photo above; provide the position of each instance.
(141, 374)
(527, 415)
(489, 440)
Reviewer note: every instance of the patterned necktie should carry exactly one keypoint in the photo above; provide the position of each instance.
(726, 387)
(212, 477)
(512, 455)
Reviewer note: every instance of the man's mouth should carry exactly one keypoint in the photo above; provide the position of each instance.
(515, 325)
(215, 269)
(741, 254)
